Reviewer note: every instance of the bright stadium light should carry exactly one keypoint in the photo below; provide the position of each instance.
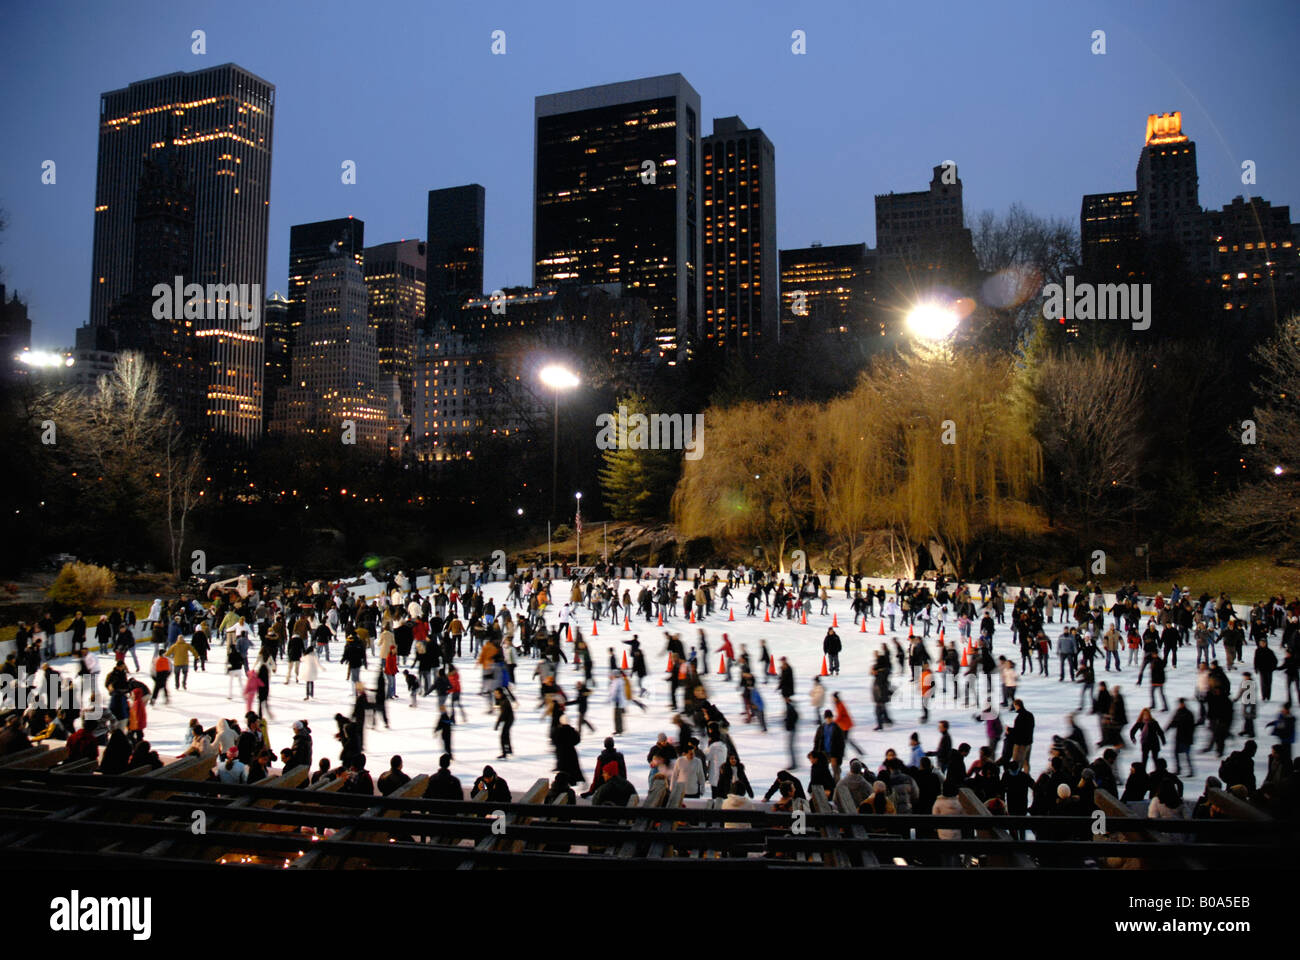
(932, 321)
(557, 378)
(43, 359)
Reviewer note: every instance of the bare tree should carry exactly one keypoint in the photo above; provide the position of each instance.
(1020, 253)
(1089, 421)
(1267, 509)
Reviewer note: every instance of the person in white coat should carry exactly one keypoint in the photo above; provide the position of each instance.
(310, 668)
(715, 757)
(1249, 704)
(689, 772)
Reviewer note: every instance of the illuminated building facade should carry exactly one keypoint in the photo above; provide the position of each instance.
(310, 245)
(739, 262)
(616, 197)
(827, 289)
(334, 378)
(216, 124)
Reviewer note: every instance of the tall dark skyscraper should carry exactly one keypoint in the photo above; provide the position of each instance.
(739, 216)
(310, 245)
(1167, 183)
(1110, 234)
(454, 249)
(616, 197)
(395, 279)
(216, 126)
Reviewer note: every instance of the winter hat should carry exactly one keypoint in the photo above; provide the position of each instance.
(610, 769)
(232, 753)
(297, 725)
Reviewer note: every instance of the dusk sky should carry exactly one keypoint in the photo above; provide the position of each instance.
(413, 94)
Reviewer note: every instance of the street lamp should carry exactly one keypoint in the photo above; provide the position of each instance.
(557, 378)
(932, 321)
(577, 528)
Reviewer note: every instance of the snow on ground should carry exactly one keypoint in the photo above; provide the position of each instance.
(475, 744)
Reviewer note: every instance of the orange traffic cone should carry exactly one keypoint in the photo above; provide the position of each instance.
(767, 615)
(692, 614)
(803, 617)
(670, 664)
(594, 631)
(624, 659)
(835, 620)
(661, 618)
(882, 625)
(965, 662)
(825, 673)
(731, 616)
(568, 633)
(627, 627)
(722, 663)
(863, 628)
(771, 664)
(940, 667)
(941, 634)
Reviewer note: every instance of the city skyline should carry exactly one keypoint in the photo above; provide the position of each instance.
(831, 166)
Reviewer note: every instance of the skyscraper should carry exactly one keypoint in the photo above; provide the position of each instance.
(827, 289)
(310, 245)
(396, 280)
(1167, 183)
(215, 127)
(275, 337)
(739, 225)
(454, 249)
(616, 197)
(1110, 234)
(922, 241)
(333, 384)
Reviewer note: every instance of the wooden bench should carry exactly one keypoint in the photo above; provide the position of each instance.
(657, 797)
(971, 804)
(289, 778)
(844, 800)
(39, 757)
(535, 795)
(320, 857)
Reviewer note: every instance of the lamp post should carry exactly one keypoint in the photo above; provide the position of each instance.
(577, 529)
(557, 378)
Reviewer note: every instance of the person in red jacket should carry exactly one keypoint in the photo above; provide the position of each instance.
(82, 745)
(844, 721)
(162, 669)
(138, 717)
(390, 670)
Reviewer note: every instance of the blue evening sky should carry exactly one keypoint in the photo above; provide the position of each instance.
(412, 93)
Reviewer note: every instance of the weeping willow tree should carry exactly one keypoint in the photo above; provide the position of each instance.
(928, 450)
(752, 480)
(957, 460)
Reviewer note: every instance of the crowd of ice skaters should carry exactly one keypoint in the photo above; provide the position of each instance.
(419, 637)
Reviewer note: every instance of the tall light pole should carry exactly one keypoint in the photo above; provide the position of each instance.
(557, 378)
(577, 527)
